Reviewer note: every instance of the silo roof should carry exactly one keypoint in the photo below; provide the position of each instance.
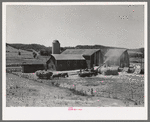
(55, 41)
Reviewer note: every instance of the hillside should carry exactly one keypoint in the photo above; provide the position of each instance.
(38, 47)
(138, 50)
(14, 50)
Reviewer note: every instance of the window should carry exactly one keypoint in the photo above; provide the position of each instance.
(68, 63)
(81, 62)
(75, 63)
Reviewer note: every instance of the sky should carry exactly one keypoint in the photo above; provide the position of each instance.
(71, 25)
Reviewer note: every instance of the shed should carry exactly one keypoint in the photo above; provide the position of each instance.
(135, 54)
(117, 57)
(32, 67)
(93, 57)
(60, 62)
(136, 57)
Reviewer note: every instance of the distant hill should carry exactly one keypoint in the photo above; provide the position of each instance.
(138, 50)
(38, 47)
(35, 47)
(14, 50)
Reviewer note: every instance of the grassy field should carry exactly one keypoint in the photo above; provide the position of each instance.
(111, 88)
(25, 92)
(13, 59)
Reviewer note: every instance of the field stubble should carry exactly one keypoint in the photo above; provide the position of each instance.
(130, 92)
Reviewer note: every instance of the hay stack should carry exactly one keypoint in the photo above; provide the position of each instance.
(120, 69)
(125, 69)
(109, 70)
(137, 70)
(131, 70)
(99, 71)
(43, 74)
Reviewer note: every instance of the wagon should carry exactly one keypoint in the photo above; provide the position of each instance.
(44, 74)
(87, 73)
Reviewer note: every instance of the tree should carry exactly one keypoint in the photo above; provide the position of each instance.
(19, 53)
(34, 54)
(45, 52)
(62, 49)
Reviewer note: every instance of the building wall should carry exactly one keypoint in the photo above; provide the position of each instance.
(62, 65)
(122, 61)
(31, 68)
(94, 60)
(101, 58)
(113, 61)
(51, 64)
(97, 58)
(88, 61)
(70, 64)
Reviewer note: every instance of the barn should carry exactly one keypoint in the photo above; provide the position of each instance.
(62, 62)
(93, 57)
(117, 57)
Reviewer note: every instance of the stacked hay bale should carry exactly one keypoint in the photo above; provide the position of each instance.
(120, 69)
(44, 74)
(137, 70)
(125, 69)
(131, 70)
(109, 70)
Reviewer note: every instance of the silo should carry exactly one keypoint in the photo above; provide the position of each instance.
(55, 47)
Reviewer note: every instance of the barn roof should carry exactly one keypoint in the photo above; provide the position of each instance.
(115, 52)
(33, 62)
(43, 58)
(80, 51)
(68, 56)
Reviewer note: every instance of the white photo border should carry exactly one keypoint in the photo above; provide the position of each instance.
(62, 113)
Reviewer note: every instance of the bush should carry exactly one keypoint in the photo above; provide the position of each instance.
(19, 53)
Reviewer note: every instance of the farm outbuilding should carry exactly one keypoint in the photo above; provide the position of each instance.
(31, 68)
(117, 57)
(62, 62)
(93, 57)
(135, 54)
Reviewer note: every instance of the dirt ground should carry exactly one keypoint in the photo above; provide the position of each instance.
(24, 92)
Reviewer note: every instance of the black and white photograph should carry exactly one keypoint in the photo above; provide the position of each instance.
(73, 57)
